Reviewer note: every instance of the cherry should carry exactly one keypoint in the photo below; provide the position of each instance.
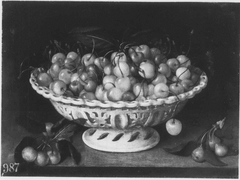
(140, 89)
(122, 69)
(164, 69)
(55, 69)
(29, 154)
(187, 84)
(220, 149)
(174, 127)
(128, 96)
(160, 78)
(147, 70)
(88, 95)
(183, 73)
(124, 84)
(88, 59)
(76, 87)
(36, 71)
(42, 159)
(161, 90)
(198, 154)
(176, 88)
(114, 94)
(109, 81)
(173, 63)
(212, 141)
(99, 92)
(65, 75)
(70, 64)
(184, 60)
(59, 87)
(58, 57)
(101, 62)
(44, 79)
(90, 86)
(54, 157)
(108, 69)
(160, 58)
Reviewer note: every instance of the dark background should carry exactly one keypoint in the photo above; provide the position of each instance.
(28, 27)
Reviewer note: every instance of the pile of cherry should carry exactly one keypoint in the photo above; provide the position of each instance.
(138, 73)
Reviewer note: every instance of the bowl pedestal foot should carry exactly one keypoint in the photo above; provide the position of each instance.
(115, 140)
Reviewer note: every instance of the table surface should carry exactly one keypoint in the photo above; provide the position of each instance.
(131, 164)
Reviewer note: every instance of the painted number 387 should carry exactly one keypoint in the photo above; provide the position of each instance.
(10, 168)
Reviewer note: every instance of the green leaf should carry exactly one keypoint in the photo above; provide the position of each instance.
(66, 150)
(76, 156)
(102, 37)
(66, 132)
(183, 149)
(80, 121)
(212, 158)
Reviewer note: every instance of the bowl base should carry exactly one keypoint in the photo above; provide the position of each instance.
(114, 140)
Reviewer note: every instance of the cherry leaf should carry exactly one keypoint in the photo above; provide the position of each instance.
(76, 156)
(232, 152)
(60, 124)
(183, 149)
(66, 149)
(66, 132)
(80, 121)
(221, 123)
(86, 35)
(212, 158)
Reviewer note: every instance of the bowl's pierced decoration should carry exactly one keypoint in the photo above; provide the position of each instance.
(120, 126)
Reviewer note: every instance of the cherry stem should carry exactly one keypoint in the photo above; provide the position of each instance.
(201, 141)
(29, 68)
(170, 46)
(119, 66)
(175, 95)
(127, 46)
(174, 110)
(190, 42)
(107, 53)
(93, 42)
(174, 45)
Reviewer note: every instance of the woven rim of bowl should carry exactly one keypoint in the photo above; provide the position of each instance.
(47, 93)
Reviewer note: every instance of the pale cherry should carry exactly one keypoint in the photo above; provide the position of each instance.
(183, 73)
(65, 75)
(160, 78)
(29, 154)
(140, 89)
(42, 159)
(122, 69)
(58, 57)
(147, 70)
(123, 83)
(174, 127)
(114, 94)
(88, 59)
(109, 81)
(59, 87)
(184, 60)
(161, 90)
(164, 69)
